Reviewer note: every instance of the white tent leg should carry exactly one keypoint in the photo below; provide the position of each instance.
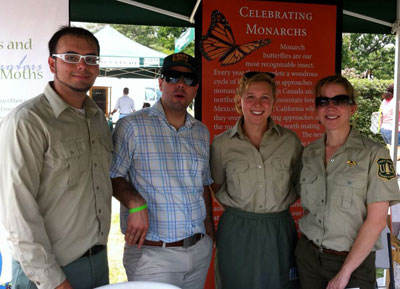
(394, 144)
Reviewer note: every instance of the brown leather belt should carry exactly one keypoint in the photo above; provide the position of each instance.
(326, 250)
(187, 242)
(94, 250)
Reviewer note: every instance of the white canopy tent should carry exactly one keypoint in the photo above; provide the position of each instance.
(124, 58)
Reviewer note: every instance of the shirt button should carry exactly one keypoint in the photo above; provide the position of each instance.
(99, 211)
(349, 182)
(101, 233)
(319, 221)
(97, 188)
(322, 201)
(259, 167)
(332, 160)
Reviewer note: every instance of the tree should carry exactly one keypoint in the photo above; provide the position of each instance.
(159, 38)
(369, 54)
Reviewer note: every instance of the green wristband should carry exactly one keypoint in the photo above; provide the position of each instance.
(138, 209)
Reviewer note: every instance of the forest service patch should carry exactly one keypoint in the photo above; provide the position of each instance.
(386, 169)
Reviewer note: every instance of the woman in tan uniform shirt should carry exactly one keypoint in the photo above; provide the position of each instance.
(347, 183)
(253, 166)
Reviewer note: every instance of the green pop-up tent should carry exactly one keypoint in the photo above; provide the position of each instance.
(124, 58)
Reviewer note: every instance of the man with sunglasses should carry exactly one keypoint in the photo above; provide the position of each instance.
(55, 190)
(161, 158)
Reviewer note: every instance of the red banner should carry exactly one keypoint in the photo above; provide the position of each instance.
(295, 41)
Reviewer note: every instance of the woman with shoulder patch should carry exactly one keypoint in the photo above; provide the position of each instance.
(254, 167)
(347, 183)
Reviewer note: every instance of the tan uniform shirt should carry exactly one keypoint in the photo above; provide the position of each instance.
(55, 189)
(260, 181)
(336, 196)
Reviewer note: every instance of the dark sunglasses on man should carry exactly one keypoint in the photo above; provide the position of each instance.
(341, 99)
(173, 76)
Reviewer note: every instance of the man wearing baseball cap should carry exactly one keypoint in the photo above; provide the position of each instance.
(161, 159)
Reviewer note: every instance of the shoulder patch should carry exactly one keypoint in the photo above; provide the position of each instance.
(386, 169)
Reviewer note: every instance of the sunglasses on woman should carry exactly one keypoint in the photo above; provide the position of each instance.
(341, 99)
(173, 76)
(252, 73)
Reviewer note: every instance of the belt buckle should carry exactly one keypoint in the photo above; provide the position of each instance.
(189, 241)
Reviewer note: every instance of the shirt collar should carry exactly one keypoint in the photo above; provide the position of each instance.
(238, 128)
(158, 110)
(354, 140)
(58, 105)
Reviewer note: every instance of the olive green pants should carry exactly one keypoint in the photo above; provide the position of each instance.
(317, 269)
(83, 273)
(256, 250)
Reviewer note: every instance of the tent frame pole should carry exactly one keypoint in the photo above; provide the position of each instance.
(395, 133)
(367, 18)
(162, 11)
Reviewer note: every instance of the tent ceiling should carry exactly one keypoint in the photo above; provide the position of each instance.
(113, 11)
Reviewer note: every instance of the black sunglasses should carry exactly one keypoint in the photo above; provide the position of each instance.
(340, 99)
(173, 76)
(252, 73)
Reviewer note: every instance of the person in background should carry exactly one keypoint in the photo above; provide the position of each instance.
(161, 159)
(124, 104)
(346, 185)
(254, 167)
(387, 109)
(55, 187)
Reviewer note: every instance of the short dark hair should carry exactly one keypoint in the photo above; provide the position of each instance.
(126, 90)
(74, 31)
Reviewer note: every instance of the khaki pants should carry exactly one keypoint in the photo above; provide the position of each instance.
(317, 269)
(183, 267)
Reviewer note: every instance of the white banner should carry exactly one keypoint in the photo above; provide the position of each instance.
(26, 28)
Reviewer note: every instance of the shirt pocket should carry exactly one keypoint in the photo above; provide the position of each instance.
(280, 176)
(238, 180)
(67, 155)
(198, 170)
(309, 192)
(103, 151)
(348, 190)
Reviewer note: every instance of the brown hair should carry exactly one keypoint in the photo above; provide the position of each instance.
(335, 79)
(74, 31)
(244, 84)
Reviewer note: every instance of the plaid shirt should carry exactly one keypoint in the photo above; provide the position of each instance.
(168, 167)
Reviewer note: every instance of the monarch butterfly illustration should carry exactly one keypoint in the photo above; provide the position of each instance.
(219, 42)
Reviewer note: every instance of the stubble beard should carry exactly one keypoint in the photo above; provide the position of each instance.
(70, 86)
(74, 88)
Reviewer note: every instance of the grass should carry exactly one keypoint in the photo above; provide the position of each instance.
(115, 250)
